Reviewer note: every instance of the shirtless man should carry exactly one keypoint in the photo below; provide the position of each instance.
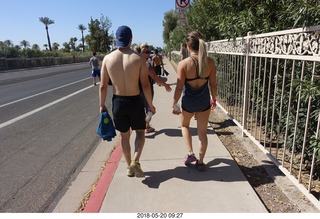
(94, 62)
(125, 68)
(157, 62)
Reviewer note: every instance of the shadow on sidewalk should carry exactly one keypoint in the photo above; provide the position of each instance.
(227, 171)
(176, 132)
(221, 125)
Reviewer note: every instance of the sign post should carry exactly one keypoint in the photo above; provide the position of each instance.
(181, 7)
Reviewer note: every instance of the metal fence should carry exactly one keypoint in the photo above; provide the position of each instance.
(269, 84)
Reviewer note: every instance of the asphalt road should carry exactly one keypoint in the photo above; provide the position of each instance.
(48, 121)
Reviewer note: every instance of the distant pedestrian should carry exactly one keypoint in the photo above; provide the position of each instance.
(157, 63)
(196, 80)
(145, 50)
(126, 68)
(95, 65)
(183, 51)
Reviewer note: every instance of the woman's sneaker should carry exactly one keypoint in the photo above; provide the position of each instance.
(150, 129)
(200, 166)
(189, 159)
(135, 167)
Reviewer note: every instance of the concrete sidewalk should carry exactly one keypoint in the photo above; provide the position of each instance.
(169, 186)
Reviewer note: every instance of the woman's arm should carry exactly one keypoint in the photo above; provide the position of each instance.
(145, 84)
(157, 79)
(180, 82)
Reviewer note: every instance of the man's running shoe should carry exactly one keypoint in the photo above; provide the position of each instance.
(135, 167)
(130, 173)
(200, 166)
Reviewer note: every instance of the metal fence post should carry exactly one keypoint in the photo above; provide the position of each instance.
(246, 85)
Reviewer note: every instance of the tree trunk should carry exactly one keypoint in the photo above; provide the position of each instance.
(48, 39)
(82, 42)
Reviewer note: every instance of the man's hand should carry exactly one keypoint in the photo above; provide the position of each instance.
(103, 109)
(152, 109)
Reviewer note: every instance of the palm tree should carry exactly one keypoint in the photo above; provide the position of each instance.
(66, 47)
(25, 44)
(81, 27)
(35, 47)
(72, 43)
(55, 46)
(8, 43)
(46, 21)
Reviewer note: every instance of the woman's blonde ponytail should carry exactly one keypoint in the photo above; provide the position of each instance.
(198, 45)
(202, 56)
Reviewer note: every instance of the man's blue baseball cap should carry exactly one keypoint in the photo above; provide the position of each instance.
(123, 36)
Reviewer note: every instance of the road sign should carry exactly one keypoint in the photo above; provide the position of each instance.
(181, 8)
(182, 3)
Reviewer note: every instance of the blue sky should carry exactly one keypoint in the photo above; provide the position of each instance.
(20, 19)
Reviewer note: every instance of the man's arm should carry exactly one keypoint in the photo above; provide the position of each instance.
(160, 56)
(98, 62)
(153, 62)
(103, 86)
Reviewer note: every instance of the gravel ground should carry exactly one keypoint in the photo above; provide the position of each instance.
(276, 191)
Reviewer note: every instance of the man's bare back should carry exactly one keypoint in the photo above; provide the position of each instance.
(124, 68)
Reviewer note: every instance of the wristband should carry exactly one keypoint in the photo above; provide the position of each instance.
(213, 101)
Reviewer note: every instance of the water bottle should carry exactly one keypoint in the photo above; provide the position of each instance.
(176, 108)
(149, 116)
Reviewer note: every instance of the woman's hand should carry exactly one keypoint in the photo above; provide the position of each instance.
(167, 87)
(176, 109)
(213, 104)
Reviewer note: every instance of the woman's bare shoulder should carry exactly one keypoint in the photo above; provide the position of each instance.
(211, 61)
(184, 62)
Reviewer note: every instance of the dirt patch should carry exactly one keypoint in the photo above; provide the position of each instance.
(262, 174)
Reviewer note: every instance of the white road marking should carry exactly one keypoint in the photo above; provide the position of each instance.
(2, 125)
(6, 104)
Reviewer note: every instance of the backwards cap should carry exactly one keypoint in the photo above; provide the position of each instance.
(123, 36)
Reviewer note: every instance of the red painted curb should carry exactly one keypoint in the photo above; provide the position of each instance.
(96, 199)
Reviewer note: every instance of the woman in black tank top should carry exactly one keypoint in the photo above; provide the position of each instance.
(198, 90)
